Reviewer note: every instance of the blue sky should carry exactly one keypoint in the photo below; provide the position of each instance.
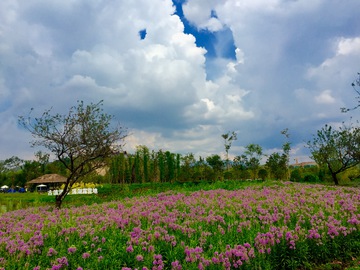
(206, 38)
(179, 74)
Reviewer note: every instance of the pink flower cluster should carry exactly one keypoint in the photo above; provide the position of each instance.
(218, 228)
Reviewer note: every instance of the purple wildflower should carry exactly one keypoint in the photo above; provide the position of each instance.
(130, 249)
(176, 265)
(85, 255)
(139, 258)
(71, 250)
(158, 262)
(63, 261)
(51, 252)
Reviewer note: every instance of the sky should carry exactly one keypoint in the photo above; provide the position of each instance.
(179, 74)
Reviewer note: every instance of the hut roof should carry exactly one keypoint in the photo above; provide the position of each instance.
(48, 178)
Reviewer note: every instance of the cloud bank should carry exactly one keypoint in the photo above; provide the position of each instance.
(276, 64)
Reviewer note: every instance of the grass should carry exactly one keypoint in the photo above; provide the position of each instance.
(111, 192)
(152, 216)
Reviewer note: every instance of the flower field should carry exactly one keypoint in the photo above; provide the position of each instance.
(288, 226)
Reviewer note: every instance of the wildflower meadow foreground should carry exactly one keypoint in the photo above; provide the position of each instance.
(285, 226)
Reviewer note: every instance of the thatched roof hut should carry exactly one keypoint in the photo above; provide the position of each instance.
(48, 179)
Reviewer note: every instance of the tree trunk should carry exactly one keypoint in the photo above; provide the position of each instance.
(133, 175)
(58, 201)
(334, 177)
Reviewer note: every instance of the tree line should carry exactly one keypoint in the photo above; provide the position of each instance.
(84, 141)
(145, 165)
(334, 150)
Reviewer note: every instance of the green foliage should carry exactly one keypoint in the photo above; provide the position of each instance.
(146, 157)
(187, 169)
(295, 176)
(161, 160)
(217, 166)
(338, 150)
(251, 158)
(112, 191)
(228, 139)
(242, 174)
(276, 164)
(228, 175)
(310, 178)
(262, 174)
(116, 172)
(11, 164)
(171, 163)
(215, 162)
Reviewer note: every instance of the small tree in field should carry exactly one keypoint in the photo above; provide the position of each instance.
(278, 163)
(252, 157)
(81, 140)
(338, 150)
(228, 139)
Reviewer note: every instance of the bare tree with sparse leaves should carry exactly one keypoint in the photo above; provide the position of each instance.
(81, 140)
(356, 85)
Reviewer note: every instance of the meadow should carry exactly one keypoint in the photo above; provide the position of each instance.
(268, 225)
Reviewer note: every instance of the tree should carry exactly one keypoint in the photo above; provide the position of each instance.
(171, 166)
(216, 164)
(161, 162)
(42, 159)
(11, 164)
(356, 86)
(146, 157)
(278, 163)
(177, 166)
(32, 169)
(239, 168)
(228, 139)
(154, 167)
(295, 175)
(81, 140)
(286, 147)
(262, 174)
(187, 167)
(338, 150)
(117, 172)
(252, 156)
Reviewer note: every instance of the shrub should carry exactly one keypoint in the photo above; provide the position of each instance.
(310, 178)
(262, 174)
(295, 176)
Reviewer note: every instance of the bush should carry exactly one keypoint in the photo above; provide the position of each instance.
(228, 175)
(112, 190)
(310, 178)
(295, 176)
(262, 174)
